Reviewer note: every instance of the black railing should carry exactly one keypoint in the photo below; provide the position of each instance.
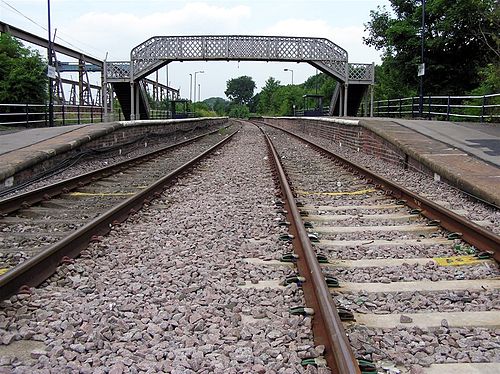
(485, 108)
(36, 115)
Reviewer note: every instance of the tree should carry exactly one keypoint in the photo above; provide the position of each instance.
(321, 84)
(238, 111)
(22, 73)
(460, 40)
(217, 104)
(265, 105)
(240, 90)
(203, 110)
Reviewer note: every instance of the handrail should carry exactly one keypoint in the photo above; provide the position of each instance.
(36, 115)
(472, 107)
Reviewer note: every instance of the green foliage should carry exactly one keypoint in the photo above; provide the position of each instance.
(267, 103)
(22, 73)
(461, 38)
(240, 90)
(320, 84)
(490, 80)
(387, 82)
(217, 105)
(278, 100)
(201, 109)
(238, 111)
(490, 84)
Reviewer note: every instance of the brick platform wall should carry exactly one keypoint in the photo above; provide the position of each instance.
(157, 133)
(354, 137)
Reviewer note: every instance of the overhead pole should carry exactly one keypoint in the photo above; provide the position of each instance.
(49, 52)
(190, 87)
(421, 71)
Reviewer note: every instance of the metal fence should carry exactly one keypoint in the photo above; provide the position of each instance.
(312, 112)
(36, 115)
(484, 108)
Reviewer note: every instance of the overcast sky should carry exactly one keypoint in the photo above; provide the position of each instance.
(116, 26)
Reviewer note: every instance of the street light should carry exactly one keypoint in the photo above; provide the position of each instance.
(290, 70)
(199, 91)
(190, 87)
(196, 72)
(49, 69)
(421, 70)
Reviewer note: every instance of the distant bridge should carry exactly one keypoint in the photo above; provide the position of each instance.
(321, 53)
(85, 64)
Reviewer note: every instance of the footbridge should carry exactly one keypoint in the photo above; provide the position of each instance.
(321, 53)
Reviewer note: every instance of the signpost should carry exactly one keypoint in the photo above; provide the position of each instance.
(421, 70)
(51, 72)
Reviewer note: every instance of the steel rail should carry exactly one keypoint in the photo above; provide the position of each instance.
(40, 267)
(475, 235)
(327, 326)
(17, 202)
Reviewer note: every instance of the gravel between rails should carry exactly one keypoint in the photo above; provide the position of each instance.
(416, 272)
(161, 292)
(425, 185)
(418, 347)
(416, 301)
(91, 163)
(410, 348)
(22, 241)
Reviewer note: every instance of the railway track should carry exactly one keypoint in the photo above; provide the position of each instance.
(399, 281)
(51, 224)
(165, 291)
(205, 280)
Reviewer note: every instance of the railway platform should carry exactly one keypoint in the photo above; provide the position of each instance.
(479, 140)
(465, 154)
(25, 152)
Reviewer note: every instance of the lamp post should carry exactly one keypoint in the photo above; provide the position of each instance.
(190, 86)
(316, 79)
(290, 70)
(199, 91)
(421, 70)
(196, 72)
(49, 51)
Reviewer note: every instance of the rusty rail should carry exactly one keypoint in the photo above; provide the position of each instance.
(475, 235)
(38, 268)
(327, 326)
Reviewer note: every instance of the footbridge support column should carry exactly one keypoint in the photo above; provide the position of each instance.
(132, 101)
(344, 112)
(104, 96)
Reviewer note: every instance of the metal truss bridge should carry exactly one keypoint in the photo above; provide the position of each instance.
(80, 92)
(321, 53)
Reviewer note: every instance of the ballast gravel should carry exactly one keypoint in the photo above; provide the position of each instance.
(321, 187)
(59, 216)
(101, 159)
(416, 347)
(420, 301)
(423, 184)
(163, 291)
(416, 272)
(381, 251)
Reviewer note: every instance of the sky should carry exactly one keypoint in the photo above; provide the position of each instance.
(111, 28)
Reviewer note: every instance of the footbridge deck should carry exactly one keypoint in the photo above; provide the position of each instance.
(321, 53)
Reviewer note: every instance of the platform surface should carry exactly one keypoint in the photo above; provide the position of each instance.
(14, 140)
(465, 154)
(479, 140)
